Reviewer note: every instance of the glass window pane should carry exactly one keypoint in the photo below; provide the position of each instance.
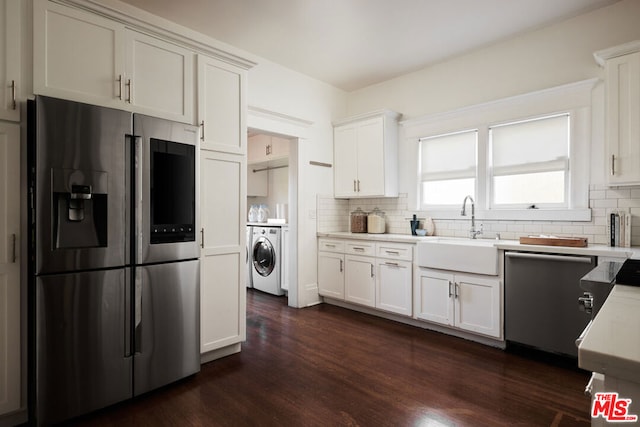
(454, 152)
(532, 141)
(533, 188)
(447, 192)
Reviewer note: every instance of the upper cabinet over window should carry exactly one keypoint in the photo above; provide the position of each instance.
(366, 155)
(87, 58)
(10, 58)
(622, 74)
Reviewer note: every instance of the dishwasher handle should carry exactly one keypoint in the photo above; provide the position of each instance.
(546, 257)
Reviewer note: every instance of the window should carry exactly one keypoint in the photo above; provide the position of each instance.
(529, 163)
(448, 168)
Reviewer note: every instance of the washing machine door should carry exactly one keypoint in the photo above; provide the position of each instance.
(264, 256)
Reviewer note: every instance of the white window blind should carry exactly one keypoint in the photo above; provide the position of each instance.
(448, 168)
(530, 162)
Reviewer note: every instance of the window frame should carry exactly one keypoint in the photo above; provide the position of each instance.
(574, 98)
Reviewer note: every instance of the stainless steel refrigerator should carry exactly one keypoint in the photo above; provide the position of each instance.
(114, 307)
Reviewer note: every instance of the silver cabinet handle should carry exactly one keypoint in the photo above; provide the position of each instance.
(393, 252)
(392, 264)
(371, 270)
(354, 186)
(358, 186)
(202, 134)
(456, 290)
(13, 251)
(450, 292)
(202, 237)
(341, 268)
(129, 85)
(330, 245)
(358, 249)
(613, 164)
(119, 86)
(13, 95)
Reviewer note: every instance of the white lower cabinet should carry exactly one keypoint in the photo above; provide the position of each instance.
(393, 286)
(465, 301)
(360, 281)
(373, 274)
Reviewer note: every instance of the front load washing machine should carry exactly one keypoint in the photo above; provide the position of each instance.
(266, 259)
(248, 255)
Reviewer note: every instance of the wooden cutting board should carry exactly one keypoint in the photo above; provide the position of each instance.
(576, 242)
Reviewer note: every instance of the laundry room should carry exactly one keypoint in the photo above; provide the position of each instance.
(267, 212)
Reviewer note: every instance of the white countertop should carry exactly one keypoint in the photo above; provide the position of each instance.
(612, 344)
(511, 245)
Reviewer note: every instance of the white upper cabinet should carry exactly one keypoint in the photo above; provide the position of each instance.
(88, 58)
(159, 78)
(622, 83)
(265, 148)
(221, 97)
(78, 56)
(366, 156)
(10, 58)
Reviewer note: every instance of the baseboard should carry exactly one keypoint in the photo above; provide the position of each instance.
(219, 353)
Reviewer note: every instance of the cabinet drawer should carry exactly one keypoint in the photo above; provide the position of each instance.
(394, 251)
(331, 245)
(360, 248)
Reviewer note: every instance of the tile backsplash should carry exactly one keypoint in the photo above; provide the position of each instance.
(333, 216)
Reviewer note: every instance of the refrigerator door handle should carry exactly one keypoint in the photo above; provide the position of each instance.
(127, 315)
(138, 199)
(138, 312)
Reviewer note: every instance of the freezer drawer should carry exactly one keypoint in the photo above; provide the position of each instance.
(81, 343)
(167, 324)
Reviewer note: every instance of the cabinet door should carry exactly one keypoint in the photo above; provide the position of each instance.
(9, 268)
(221, 100)
(393, 286)
(159, 78)
(478, 306)
(623, 119)
(371, 170)
(257, 148)
(359, 281)
(331, 275)
(10, 58)
(77, 56)
(222, 279)
(279, 148)
(433, 293)
(345, 158)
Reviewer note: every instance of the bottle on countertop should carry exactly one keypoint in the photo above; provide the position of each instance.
(253, 213)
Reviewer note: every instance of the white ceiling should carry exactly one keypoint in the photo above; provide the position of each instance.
(351, 44)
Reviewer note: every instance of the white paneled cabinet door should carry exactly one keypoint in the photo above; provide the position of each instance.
(360, 284)
(223, 292)
(393, 286)
(77, 55)
(221, 97)
(10, 58)
(331, 275)
(623, 119)
(478, 304)
(371, 170)
(9, 268)
(346, 161)
(433, 296)
(159, 78)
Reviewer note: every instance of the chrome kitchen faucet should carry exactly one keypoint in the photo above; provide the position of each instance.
(472, 232)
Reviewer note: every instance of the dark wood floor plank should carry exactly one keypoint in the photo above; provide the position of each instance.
(326, 365)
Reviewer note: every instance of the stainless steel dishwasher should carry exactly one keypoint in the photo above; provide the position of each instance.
(541, 292)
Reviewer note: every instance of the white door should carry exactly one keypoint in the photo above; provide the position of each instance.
(434, 291)
(331, 275)
(159, 78)
(393, 286)
(221, 115)
(77, 56)
(478, 305)
(223, 255)
(359, 281)
(371, 158)
(345, 155)
(10, 58)
(9, 267)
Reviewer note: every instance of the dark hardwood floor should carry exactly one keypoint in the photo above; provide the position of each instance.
(328, 366)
